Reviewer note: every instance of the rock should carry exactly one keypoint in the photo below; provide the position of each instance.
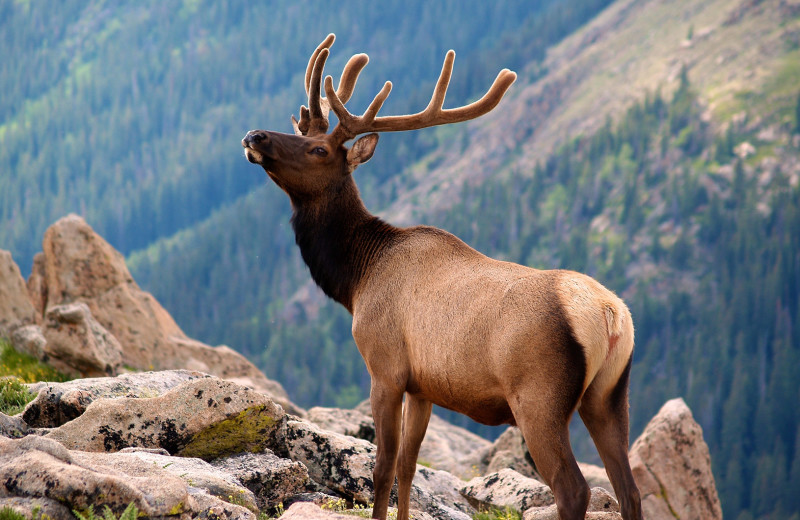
(602, 506)
(79, 266)
(40, 470)
(672, 467)
(311, 511)
(58, 403)
(16, 308)
(205, 418)
(12, 426)
(272, 480)
(436, 493)
(194, 472)
(29, 339)
(596, 476)
(77, 344)
(446, 447)
(37, 467)
(47, 507)
(341, 463)
(507, 488)
(508, 451)
(346, 422)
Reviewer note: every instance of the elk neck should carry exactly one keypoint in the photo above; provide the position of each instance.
(339, 239)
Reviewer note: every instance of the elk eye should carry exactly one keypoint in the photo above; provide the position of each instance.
(322, 152)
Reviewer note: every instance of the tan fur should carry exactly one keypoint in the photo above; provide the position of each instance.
(438, 322)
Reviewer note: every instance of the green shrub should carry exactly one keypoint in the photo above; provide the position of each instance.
(130, 513)
(495, 513)
(14, 395)
(25, 367)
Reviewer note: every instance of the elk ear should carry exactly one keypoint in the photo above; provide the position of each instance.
(361, 151)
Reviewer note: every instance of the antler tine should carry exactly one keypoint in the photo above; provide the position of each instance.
(315, 117)
(326, 44)
(350, 125)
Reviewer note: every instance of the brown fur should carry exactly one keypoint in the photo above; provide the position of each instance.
(440, 323)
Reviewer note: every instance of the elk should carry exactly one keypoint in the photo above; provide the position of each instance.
(438, 322)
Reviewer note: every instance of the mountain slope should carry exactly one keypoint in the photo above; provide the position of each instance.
(682, 195)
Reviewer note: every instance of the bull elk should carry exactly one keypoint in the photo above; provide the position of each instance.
(438, 322)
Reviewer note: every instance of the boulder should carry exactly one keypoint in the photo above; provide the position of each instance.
(40, 471)
(508, 451)
(272, 480)
(602, 506)
(78, 265)
(672, 467)
(16, 308)
(344, 465)
(205, 418)
(58, 403)
(47, 507)
(12, 426)
(77, 344)
(339, 462)
(194, 472)
(507, 488)
(30, 340)
(446, 447)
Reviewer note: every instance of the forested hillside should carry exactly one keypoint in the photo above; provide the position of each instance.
(654, 146)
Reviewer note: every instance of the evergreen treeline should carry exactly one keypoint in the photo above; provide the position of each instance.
(130, 113)
(656, 207)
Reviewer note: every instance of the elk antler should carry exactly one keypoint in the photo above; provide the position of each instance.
(315, 118)
(349, 125)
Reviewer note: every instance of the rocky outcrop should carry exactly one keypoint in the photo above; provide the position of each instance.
(77, 344)
(218, 448)
(44, 470)
(445, 447)
(59, 403)
(507, 488)
(205, 418)
(16, 308)
(77, 265)
(672, 467)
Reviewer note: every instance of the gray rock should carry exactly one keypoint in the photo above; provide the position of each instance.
(672, 467)
(12, 426)
(205, 418)
(44, 506)
(77, 344)
(436, 493)
(36, 467)
(273, 480)
(40, 471)
(29, 339)
(58, 403)
(508, 451)
(16, 308)
(194, 472)
(507, 488)
(445, 446)
(341, 463)
(602, 506)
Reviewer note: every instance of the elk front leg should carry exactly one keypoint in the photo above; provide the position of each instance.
(416, 414)
(386, 409)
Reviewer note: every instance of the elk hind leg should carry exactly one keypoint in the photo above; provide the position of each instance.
(546, 432)
(386, 405)
(605, 414)
(416, 414)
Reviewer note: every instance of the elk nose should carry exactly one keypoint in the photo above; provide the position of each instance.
(253, 137)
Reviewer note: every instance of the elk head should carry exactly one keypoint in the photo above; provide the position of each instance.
(308, 163)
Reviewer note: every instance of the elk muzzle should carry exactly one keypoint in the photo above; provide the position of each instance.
(256, 144)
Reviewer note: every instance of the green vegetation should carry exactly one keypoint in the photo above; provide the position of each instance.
(6, 513)
(506, 513)
(14, 395)
(131, 513)
(24, 367)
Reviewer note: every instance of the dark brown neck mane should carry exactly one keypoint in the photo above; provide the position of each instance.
(339, 239)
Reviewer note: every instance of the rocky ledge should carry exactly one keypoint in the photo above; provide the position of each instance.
(185, 430)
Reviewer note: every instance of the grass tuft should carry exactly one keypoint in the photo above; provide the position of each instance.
(25, 367)
(14, 395)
